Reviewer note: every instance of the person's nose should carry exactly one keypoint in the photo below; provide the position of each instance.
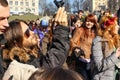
(5, 23)
(31, 32)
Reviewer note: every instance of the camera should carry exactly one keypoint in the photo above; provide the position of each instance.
(79, 53)
(59, 3)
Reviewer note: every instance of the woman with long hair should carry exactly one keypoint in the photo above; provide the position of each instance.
(105, 49)
(81, 43)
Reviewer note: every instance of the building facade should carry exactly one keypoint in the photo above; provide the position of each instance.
(24, 6)
(97, 5)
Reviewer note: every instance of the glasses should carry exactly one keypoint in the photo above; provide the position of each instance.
(27, 33)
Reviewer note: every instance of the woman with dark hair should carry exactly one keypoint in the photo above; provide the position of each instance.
(107, 12)
(82, 41)
(104, 13)
(58, 73)
(76, 23)
(21, 54)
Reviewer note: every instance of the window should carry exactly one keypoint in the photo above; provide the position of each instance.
(33, 0)
(21, 3)
(99, 3)
(16, 9)
(96, 3)
(11, 8)
(33, 9)
(33, 4)
(16, 2)
(27, 4)
(28, 10)
(11, 2)
(21, 8)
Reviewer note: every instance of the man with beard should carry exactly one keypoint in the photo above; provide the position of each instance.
(21, 51)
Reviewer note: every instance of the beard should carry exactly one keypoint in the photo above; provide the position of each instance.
(30, 44)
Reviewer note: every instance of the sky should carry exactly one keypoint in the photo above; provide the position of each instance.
(49, 1)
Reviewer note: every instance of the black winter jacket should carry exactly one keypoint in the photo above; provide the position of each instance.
(58, 52)
(2, 42)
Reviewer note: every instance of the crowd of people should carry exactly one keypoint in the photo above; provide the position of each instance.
(79, 47)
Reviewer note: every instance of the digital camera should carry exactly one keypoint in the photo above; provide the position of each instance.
(59, 3)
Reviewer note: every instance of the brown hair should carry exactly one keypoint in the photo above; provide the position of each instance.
(57, 73)
(82, 35)
(14, 34)
(4, 3)
(92, 18)
(14, 48)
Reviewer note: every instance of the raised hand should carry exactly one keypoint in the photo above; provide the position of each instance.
(61, 17)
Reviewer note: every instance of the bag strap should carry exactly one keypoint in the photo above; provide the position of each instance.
(103, 48)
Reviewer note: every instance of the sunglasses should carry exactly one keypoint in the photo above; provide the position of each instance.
(27, 33)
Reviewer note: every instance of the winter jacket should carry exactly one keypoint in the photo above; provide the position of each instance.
(55, 56)
(19, 71)
(2, 70)
(104, 66)
(58, 51)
